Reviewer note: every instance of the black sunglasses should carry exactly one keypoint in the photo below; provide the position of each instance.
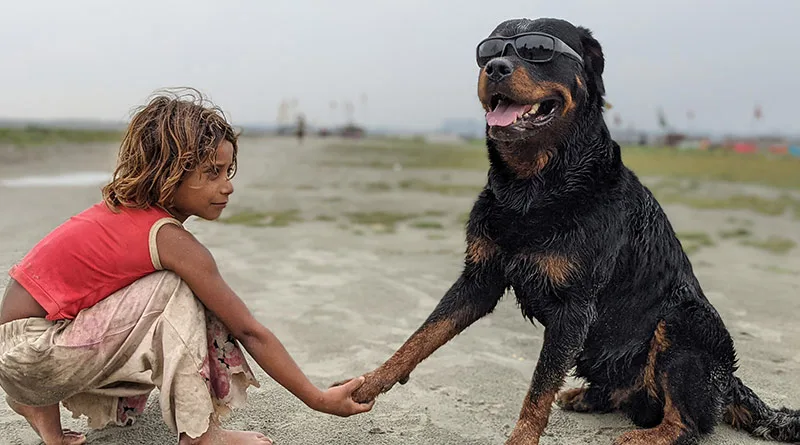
(534, 47)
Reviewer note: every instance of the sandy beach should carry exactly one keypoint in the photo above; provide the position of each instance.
(343, 291)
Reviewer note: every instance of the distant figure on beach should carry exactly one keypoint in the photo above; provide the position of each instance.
(121, 299)
(301, 128)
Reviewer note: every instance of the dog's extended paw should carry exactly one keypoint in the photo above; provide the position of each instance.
(375, 383)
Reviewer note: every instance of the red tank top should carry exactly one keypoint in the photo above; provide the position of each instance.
(90, 256)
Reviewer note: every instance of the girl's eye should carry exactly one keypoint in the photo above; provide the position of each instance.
(231, 171)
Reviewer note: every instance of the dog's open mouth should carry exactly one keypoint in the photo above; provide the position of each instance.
(505, 112)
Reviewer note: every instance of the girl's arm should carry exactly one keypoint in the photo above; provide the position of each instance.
(180, 252)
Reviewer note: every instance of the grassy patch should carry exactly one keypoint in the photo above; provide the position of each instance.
(739, 232)
(773, 244)
(408, 154)
(35, 135)
(764, 206)
(694, 241)
(325, 218)
(738, 221)
(778, 270)
(436, 237)
(263, 219)
(377, 187)
(305, 187)
(715, 165)
(384, 222)
(427, 225)
(644, 161)
(442, 189)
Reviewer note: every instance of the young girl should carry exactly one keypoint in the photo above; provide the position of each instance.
(121, 299)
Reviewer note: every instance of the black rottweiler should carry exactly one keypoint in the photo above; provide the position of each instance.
(589, 253)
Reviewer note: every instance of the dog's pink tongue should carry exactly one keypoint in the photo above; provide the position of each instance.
(505, 114)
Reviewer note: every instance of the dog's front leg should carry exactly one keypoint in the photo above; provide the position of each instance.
(472, 296)
(563, 338)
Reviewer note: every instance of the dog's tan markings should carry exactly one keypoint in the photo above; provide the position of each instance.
(532, 420)
(480, 249)
(483, 95)
(666, 433)
(558, 268)
(421, 345)
(658, 344)
(527, 168)
(525, 90)
(737, 416)
(579, 82)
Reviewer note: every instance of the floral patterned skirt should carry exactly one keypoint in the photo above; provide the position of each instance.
(105, 363)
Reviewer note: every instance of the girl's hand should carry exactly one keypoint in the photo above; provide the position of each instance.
(338, 400)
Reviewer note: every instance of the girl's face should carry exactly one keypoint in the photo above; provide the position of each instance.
(205, 191)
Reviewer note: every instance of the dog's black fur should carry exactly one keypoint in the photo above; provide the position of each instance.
(592, 256)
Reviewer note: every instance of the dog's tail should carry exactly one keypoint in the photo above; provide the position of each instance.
(748, 412)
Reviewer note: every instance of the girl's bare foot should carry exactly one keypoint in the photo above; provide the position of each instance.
(218, 436)
(46, 421)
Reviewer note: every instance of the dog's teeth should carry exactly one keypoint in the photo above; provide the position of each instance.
(534, 109)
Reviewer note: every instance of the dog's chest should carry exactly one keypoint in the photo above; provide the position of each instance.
(536, 263)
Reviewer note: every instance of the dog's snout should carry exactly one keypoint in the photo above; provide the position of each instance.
(498, 69)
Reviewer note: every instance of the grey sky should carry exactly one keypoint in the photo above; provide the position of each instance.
(414, 59)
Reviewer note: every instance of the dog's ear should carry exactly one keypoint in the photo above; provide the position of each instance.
(593, 62)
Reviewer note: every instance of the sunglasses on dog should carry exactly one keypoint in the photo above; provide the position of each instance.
(533, 47)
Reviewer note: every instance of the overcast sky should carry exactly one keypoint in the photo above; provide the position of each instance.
(413, 59)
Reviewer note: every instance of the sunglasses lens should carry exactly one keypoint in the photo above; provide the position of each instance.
(535, 48)
(488, 50)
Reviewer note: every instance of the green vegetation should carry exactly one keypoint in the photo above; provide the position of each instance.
(34, 136)
(384, 222)
(694, 241)
(772, 244)
(427, 225)
(644, 161)
(263, 219)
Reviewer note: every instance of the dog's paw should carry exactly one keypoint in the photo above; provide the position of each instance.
(572, 400)
(374, 384)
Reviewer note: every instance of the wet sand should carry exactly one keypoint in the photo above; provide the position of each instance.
(343, 296)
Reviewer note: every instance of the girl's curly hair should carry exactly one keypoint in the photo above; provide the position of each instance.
(172, 135)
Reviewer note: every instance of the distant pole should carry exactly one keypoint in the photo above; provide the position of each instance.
(348, 112)
(757, 116)
(333, 106)
(364, 105)
(662, 122)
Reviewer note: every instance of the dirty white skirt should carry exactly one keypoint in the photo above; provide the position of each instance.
(103, 364)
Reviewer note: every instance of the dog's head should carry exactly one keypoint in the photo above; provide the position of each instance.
(536, 78)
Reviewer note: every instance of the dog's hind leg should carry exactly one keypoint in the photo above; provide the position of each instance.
(682, 390)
